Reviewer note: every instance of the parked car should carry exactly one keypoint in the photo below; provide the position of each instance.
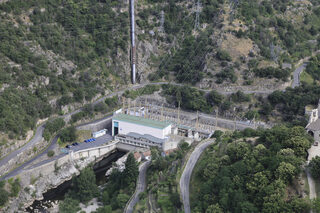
(316, 143)
(90, 140)
(75, 144)
(68, 146)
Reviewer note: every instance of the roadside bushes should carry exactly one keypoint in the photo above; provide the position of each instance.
(313, 67)
(4, 195)
(314, 166)
(271, 72)
(68, 134)
(53, 127)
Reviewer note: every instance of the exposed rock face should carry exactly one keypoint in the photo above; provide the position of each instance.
(23, 156)
(38, 181)
(119, 165)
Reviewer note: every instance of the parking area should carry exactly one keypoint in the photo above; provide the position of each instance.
(98, 142)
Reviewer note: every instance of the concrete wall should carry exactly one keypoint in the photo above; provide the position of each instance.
(317, 136)
(126, 127)
(94, 152)
(97, 125)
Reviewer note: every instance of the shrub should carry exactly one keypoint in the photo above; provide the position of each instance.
(50, 153)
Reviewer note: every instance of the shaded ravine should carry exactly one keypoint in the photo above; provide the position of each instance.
(186, 175)
(141, 186)
(57, 194)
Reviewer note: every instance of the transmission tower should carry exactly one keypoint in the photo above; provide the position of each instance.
(161, 28)
(197, 21)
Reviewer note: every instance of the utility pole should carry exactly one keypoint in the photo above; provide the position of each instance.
(140, 112)
(161, 113)
(161, 28)
(123, 103)
(179, 113)
(197, 21)
(129, 106)
(145, 108)
(197, 121)
(134, 108)
(217, 112)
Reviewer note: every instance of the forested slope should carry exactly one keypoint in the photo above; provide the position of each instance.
(253, 172)
(57, 54)
(65, 51)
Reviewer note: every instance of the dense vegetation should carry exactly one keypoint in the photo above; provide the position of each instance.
(147, 90)
(314, 166)
(313, 67)
(120, 187)
(291, 102)
(239, 176)
(88, 33)
(53, 127)
(84, 188)
(114, 195)
(289, 39)
(194, 99)
(188, 62)
(14, 189)
(162, 185)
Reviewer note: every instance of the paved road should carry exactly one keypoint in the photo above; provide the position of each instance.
(186, 175)
(37, 136)
(39, 131)
(99, 142)
(296, 75)
(141, 186)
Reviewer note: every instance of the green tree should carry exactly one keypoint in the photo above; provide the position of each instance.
(214, 98)
(85, 185)
(122, 199)
(299, 144)
(214, 209)
(69, 205)
(105, 197)
(286, 171)
(316, 205)
(4, 195)
(68, 134)
(314, 166)
(131, 170)
(105, 209)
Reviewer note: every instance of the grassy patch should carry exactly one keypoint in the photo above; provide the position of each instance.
(83, 134)
(306, 78)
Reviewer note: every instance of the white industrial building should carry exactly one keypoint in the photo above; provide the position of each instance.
(140, 131)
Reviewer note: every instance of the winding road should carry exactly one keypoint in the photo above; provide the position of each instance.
(296, 75)
(39, 131)
(141, 186)
(37, 136)
(186, 175)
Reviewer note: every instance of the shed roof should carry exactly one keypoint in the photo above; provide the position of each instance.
(141, 121)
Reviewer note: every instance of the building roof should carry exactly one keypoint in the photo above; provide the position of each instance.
(314, 126)
(148, 137)
(141, 121)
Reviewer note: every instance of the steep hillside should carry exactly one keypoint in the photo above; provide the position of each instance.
(56, 55)
(58, 51)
